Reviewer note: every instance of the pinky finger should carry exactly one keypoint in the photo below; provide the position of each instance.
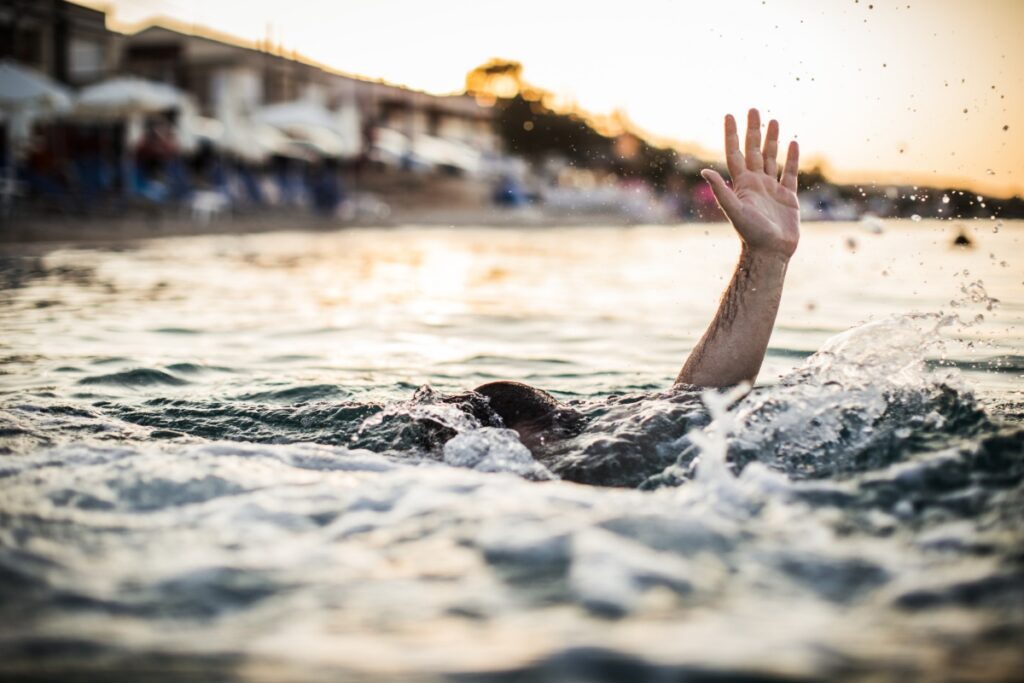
(792, 164)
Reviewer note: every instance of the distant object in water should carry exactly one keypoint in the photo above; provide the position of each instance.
(870, 222)
(962, 239)
(509, 192)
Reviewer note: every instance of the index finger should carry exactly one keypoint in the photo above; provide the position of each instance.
(733, 156)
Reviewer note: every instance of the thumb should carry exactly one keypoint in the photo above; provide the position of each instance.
(727, 199)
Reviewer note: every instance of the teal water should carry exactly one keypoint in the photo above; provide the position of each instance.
(256, 458)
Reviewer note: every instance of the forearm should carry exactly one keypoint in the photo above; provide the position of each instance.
(733, 347)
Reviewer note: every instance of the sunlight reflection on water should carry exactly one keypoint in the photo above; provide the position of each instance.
(612, 306)
(213, 458)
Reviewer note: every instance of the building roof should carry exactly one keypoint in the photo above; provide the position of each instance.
(218, 46)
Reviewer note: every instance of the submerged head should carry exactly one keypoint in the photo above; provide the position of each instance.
(536, 415)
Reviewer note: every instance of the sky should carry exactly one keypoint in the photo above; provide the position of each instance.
(927, 91)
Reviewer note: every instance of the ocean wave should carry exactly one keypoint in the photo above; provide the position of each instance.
(204, 543)
(138, 377)
(867, 505)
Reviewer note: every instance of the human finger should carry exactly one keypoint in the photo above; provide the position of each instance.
(733, 156)
(792, 164)
(771, 150)
(727, 199)
(755, 162)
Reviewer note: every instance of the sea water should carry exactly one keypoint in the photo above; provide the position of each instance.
(257, 458)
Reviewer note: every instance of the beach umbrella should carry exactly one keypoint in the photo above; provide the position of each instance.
(25, 95)
(296, 113)
(23, 88)
(132, 99)
(325, 142)
(272, 141)
(195, 129)
(252, 141)
(395, 148)
(445, 152)
(312, 124)
(127, 96)
(348, 123)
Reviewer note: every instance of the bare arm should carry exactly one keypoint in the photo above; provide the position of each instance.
(765, 213)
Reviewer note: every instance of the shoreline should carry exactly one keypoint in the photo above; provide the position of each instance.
(40, 230)
(49, 232)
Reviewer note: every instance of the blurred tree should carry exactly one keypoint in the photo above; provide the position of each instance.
(530, 128)
(496, 79)
(530, 125)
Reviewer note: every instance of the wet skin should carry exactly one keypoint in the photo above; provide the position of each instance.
(763, 208)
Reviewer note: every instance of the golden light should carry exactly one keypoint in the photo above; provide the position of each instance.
(923, 92)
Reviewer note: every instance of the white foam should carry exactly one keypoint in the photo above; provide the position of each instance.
(492, 449)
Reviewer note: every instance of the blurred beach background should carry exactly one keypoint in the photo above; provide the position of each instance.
(255, 255)
(171, 116)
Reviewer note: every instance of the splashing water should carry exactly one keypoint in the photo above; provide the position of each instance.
(287, 502)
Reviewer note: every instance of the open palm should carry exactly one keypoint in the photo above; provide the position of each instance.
(762, 207)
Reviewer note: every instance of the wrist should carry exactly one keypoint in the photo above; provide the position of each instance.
(761, 257)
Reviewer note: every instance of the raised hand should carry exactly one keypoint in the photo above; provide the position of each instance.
(763, 209)
(765, 212)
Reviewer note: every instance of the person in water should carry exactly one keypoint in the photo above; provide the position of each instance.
(762, 206)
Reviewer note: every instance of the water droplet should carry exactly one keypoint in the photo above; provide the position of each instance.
(916, 218)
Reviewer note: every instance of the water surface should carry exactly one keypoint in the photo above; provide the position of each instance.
(256, 457)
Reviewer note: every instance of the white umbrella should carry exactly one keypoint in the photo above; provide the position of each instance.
(257, 141)
(119, 97)
(297, 113)
(24, 88)
(271, 140)
(196, 129)
(348, 124)
(314, 125)
(324, 141)
(392, 147)
(131, 98)
(445, 152)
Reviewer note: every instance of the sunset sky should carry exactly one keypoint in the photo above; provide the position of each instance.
(925, 90)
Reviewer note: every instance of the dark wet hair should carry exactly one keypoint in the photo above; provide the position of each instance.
(518, 403)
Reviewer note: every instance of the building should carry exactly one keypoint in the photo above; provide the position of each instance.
(205, 65)
(217, 69)
(72, 44)
(68, 42)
